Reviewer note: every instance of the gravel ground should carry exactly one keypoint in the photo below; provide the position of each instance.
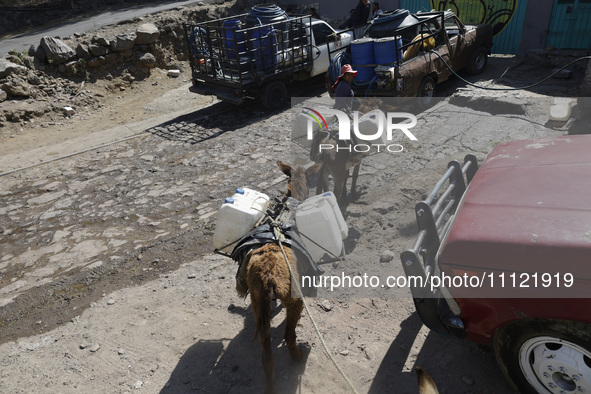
(108, 283)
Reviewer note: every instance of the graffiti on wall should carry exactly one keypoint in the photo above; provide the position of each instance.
(497, 13)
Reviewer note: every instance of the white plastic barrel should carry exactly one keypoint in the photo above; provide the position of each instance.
(237, 216)
(319, 228)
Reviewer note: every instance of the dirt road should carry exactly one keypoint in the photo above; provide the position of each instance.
(107, 283)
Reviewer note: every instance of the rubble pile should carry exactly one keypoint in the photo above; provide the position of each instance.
(27, 93)
(56, 75)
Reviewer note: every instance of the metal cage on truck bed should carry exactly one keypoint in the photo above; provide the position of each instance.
(233, 53)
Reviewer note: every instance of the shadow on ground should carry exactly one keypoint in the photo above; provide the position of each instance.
(233, 365)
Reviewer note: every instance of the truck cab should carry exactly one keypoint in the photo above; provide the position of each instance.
(326, 43)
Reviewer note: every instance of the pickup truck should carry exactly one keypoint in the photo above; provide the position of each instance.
(234, 59)
(426, 41)
(513, 239)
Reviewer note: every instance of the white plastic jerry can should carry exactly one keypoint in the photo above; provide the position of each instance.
(237, 216)
(332, 200)
(321, 231)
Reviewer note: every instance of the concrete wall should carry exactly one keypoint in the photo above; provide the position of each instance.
(535, 26)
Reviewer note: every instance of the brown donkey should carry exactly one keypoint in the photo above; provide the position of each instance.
(337, 162)
(268, 277)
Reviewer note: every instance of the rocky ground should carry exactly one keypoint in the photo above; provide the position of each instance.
(107, 280)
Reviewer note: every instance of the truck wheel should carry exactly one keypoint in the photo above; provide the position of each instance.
(274, 95)
(542, 356)
(426, 91)
(478, 62)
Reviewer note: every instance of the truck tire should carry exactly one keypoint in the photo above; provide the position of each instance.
(274, 95)
(426, 91)
(543, 355)
(478, 62)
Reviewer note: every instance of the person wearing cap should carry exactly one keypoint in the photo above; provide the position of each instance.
(343, 92)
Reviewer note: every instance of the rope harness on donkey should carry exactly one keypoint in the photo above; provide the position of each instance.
(278, 220)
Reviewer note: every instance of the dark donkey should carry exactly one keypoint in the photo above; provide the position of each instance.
(337, 162)
(268, 277)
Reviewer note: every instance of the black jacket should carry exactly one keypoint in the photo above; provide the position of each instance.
(361, 14)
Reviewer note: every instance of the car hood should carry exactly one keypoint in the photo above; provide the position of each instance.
(528, 209)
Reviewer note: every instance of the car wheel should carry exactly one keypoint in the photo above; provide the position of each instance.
(426, 91)
(546, 356)
(478, 62)
(274, 95)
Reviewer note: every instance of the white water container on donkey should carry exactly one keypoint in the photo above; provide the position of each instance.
(332, 200)
(237, 216)
(319, 228)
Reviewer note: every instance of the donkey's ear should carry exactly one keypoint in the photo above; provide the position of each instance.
(284, 168)
(426, 383)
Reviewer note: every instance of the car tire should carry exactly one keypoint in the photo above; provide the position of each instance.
(545, 356)
(478, 62)
(426, 91)
(274, 95)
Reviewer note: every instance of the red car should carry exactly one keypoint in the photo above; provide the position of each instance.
(502, 255)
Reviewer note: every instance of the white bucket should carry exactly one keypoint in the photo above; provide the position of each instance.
(237, 216)
(319, 228)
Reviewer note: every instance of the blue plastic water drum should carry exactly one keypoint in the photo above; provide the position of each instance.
(363, 53)
(385, 50)
(235, 44)
(263, 14)
(264, 45)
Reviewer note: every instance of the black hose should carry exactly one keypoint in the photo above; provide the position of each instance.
(267, 12)
(519, 88)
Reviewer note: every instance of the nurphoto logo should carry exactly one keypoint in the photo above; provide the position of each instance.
(365, 132)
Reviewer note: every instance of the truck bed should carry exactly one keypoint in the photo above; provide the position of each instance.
(228, 52)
